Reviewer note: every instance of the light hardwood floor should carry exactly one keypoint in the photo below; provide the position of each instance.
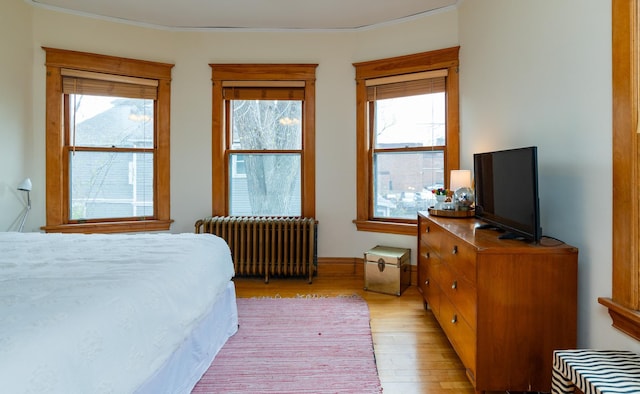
(412, 353)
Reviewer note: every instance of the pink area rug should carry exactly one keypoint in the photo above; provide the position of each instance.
(296, 345)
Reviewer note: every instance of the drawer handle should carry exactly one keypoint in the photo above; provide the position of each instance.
(426, 255)
(455, 249)
(427, 229)
(426, 282)
(454, 319)
(454, 285)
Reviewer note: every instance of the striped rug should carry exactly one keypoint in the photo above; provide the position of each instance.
(296, 345)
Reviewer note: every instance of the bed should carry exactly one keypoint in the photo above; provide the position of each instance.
(143, 313)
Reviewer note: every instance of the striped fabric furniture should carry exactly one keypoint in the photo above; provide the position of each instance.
(595, 371)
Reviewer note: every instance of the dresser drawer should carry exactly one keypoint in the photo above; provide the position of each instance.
(460, 292)
(459, 256)
(460, 334)
(432, 234)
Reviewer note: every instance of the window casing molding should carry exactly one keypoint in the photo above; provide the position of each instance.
(267, 76)
(624, 304)
(443, 59)
(57, 189)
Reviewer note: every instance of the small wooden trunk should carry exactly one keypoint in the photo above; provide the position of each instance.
(387, 270)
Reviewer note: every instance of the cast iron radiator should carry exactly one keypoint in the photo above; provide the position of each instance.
(267, 246)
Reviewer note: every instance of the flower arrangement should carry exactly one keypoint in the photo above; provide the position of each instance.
(440, 192)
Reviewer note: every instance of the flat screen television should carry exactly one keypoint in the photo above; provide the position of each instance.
(506, 190)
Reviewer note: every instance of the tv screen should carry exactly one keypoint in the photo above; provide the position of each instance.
(506, 184)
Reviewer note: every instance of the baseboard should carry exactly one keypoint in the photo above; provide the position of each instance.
(350, 266)
(340, 266)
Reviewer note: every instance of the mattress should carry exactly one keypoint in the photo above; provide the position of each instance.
(108, 313)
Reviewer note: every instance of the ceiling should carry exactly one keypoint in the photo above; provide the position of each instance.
(251, 14)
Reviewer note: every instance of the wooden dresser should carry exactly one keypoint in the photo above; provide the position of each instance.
(505, 305)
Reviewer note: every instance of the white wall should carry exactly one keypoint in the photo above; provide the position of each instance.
(15, 109)
(539, 73)
(533, 72)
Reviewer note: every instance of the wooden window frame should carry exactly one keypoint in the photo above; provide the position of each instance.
(57, 190)
(266, 75)
(421, 62)
(624, 304)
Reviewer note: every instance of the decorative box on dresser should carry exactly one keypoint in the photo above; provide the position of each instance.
(505, 305)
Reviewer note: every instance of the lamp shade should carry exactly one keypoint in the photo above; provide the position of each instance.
(25, 185)
(459, 178)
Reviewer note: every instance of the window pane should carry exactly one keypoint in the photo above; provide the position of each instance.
(403, 182)
(111, 121)
(266, 124)
(410, 121)
(270, 185)
(111, 185)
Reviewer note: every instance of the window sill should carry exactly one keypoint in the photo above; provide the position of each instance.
(111, 227)
(387, 227)
(624, 319)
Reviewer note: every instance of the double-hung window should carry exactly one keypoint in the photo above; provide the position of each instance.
(407, 134)
(109, 146)
(263, 138)
(107, 139)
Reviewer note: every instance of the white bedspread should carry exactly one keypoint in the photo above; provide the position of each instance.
(100, 313)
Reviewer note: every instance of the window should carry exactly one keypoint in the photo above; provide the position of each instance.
(407, 136)
(624, 305)
(263, 140)
(107, 143)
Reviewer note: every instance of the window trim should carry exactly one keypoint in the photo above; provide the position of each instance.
(624, 304)
(56, 190)
(421, 62)
(257, 75)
